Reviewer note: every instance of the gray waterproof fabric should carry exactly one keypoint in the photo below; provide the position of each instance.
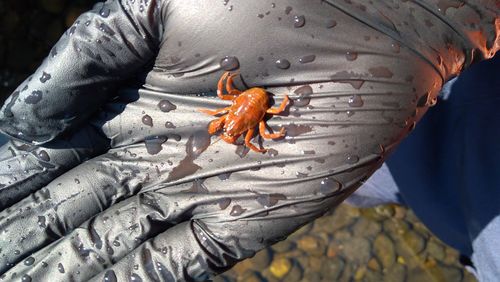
(111, 174)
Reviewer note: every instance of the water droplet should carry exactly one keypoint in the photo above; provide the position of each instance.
(165, 106)
(283, 63)
(260, 16)
(381, 72)
(349, 113)
(299, 21)
(273, 5)
(29, 261)
(198, 143)
(329, 185)
(77, 181)
(237, 210)
(355, 101)
(44, 156)
(224, 176)
(72, 30)
(272, 152)
(26, 278)
(229, 63)
(106, 29)
(269, 200)
(110, 276)
(45, 76)
(168, 124)
(288, 9)
(308, 152)
(224, 203)
(104, 11)
(60, 267)
(307, 59)
(135, 278)
(116, 243)
(351, 55)
(352, 159)
(395, 47)
(147, 120)
(300, 174)
(17, 252)
(34, 97)
(444, 5)
(303, 99)
(331, 23)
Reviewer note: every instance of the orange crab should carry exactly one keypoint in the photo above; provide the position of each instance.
(248, 109)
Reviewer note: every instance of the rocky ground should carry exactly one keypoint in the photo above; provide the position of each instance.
(386, 243)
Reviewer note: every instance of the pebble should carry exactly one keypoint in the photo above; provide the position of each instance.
(383, 248)
(331, 269)
(280, 267)
(414, 241)
(312, 245)
(366, 228)
(357, 249)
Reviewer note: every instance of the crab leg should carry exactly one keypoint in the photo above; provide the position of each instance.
(280, 109)
(229, 86)
(220, 88)
(215, 112)
(248, 137)
(262, 132)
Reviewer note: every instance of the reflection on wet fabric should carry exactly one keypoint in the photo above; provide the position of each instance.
(167, 202)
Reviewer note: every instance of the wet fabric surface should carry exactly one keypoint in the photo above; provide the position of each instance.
(162, 200)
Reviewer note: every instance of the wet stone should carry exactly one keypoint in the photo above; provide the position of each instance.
(357, 249)
(229, 63)
(383, 248)
(280, 267)
(366, 228)
(414, 241)
(283, 246)
(282, 64)
(331, 269)
(312, 245)
(435, 250)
